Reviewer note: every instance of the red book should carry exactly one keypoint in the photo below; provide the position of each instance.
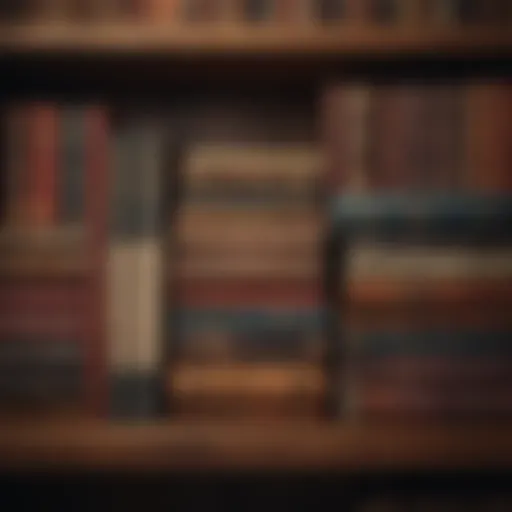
(41, 175)
(96, 208)
(250, 293)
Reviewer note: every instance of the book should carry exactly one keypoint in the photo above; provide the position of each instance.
(285, 170)
(489, 107)
(278, 294)
(470, 343)
(73, 162)
(255, 11)
(460, 216)
(135, 268)
(423, 263)
(397, 137)
(162, 11)
(252, 390)
(347, 149)
(41, 176)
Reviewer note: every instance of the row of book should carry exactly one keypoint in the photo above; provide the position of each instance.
(213, 278)
(414, 12)
(420, 137)
(425, 277)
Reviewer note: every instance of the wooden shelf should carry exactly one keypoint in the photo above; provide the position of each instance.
(240, 40)
(281, 447)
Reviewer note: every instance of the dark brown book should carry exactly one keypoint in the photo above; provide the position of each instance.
(489, 124)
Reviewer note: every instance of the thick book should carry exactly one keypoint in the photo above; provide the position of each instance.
(366, 261)
(455, 217)
(40, 373)
(277, 294)
(42, 174)
(283, 169)
(379, 346)
(489, 123)
(345, 119)
(135, 267)
(393, 292)
(253, 390)
(72, 164)
(162, 11)
(264, 334)
(415, 311)
(398, 137)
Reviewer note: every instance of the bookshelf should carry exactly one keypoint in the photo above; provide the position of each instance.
(207, 446)
(195, 445)
(246, 41)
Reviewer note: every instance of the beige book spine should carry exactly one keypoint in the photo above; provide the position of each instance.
(427, 263)
(247, 379)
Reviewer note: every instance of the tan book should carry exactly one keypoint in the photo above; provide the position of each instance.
(247, 379)
(162, 11)
(209, 223)
(293, 167)
(236, 268)
(424, 263)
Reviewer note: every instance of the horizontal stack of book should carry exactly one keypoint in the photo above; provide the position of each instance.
(44, 255)
(248, 271)
(295, 12)
(423, 219)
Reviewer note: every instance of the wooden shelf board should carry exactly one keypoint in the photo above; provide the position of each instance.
(244, 446)
(243, 40)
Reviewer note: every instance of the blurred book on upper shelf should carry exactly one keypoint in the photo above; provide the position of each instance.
(45, 154)
(258, 12)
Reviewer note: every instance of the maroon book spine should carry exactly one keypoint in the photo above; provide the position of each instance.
(96, 207)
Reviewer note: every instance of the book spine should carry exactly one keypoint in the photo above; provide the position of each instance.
(135, 270)
(73, 165)
(428, 293)
(489, 120)
(96, 215)
(371, 261)
(14, 144)
(247, 390)
(377, 346)
(246, 293)
(162, 11)
(454, 216)
(42, 164)
(346, 121)
(257, 11)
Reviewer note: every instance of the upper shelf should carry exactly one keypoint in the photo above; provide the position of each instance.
(249, 41)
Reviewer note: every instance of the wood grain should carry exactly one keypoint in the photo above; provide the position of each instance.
(223, 39)
(252, 446)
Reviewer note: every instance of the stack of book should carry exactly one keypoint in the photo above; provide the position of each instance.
(248, 271)
(291, 12)
(423, 220)
(44, 254)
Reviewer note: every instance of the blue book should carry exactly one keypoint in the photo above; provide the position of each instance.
(244, 320)
(450, 216)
